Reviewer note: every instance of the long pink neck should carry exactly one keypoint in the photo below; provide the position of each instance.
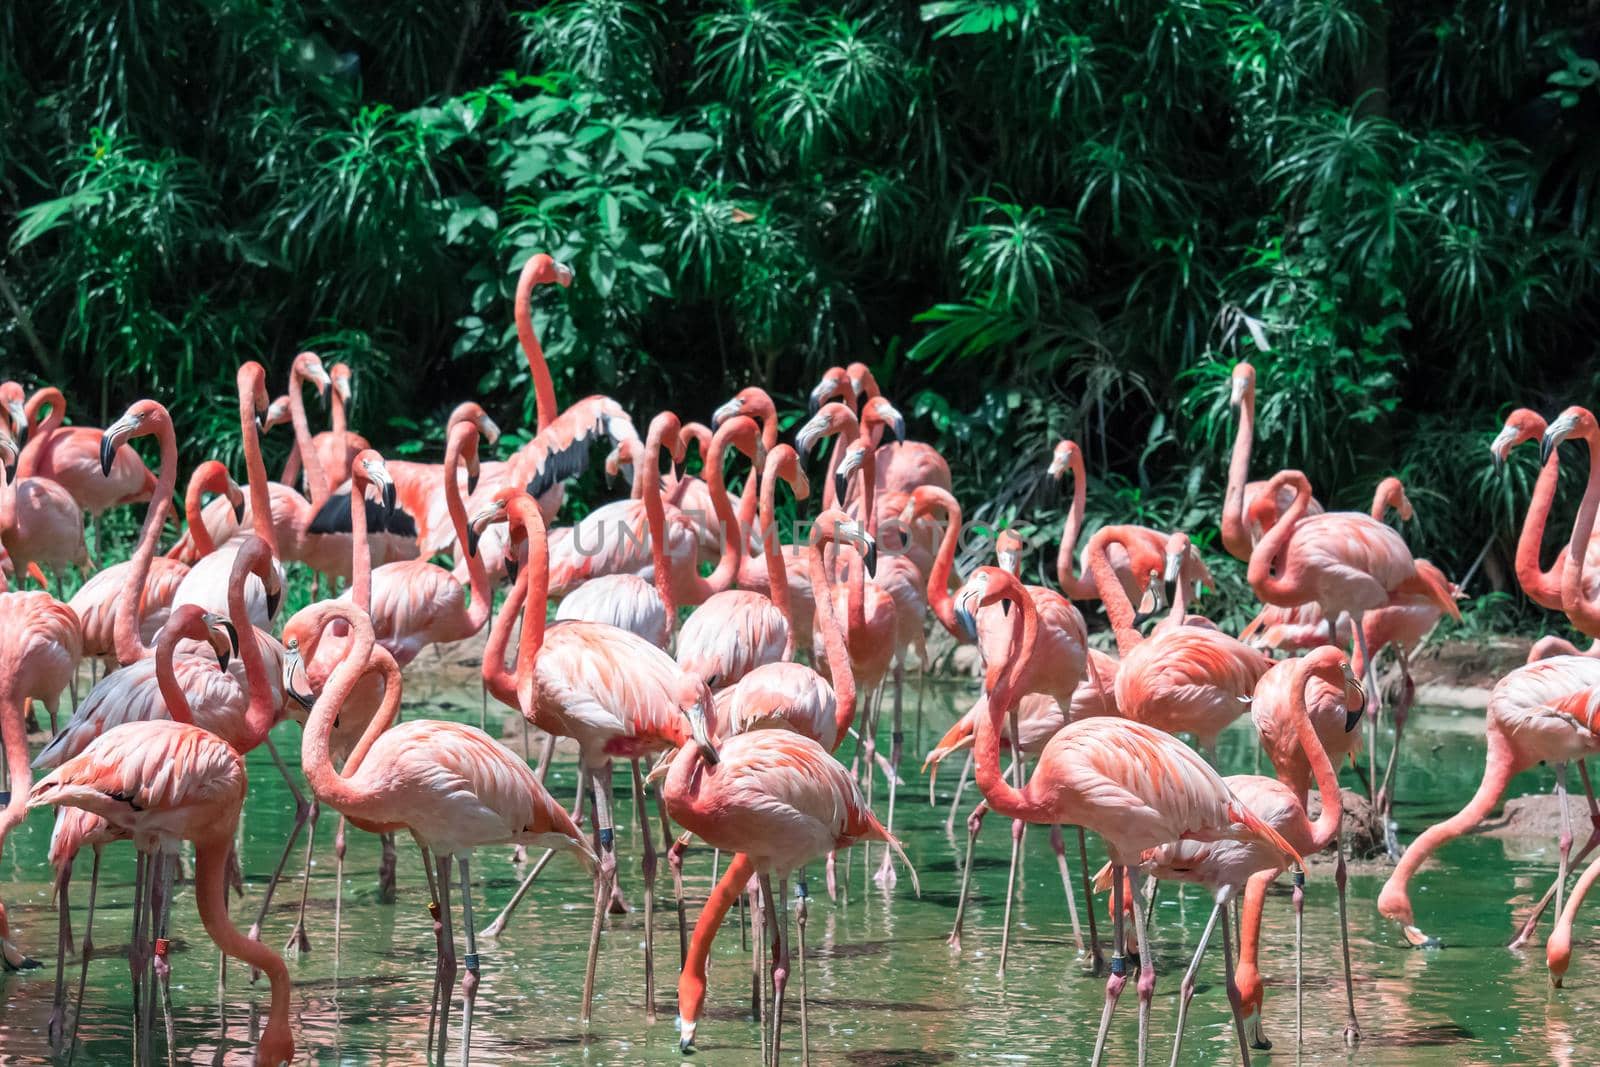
(1006, 686)
(733, 527)
(477, 578)
(749, 496)
(939, 598)
(655, 513)
(692, 980)
(830, 499)
(14, 735)
(857, 596)
(1543, 587)
(1119, 609)
(209, 476)
(360, 547)
(211, 900)
(316, 477)
(833, 644)
(261, 716)
(1077, 586)
(39, 430)
(1268, 571)
(544, 388)
(326, 782)
(525, 512)
(1326, 830)
(255, 467)
(500, 680)
(172, 693)
(1583, 611)
(1235, 532)
(125, 627)
(772, 550)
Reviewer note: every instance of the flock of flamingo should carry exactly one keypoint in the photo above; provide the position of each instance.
(717, 713)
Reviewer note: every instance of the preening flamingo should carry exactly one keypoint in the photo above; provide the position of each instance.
(40, 645)
(165, 781)
(1240, 531)
(451, 786)
(778, 798)
(1100, 774)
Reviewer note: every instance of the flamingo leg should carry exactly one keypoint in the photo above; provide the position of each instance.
(498, 927)
(338, 890)
(1147, 980)
(298, 941)
(1119, 966)
(1233, 991)
(302, 814)
(162, 969)
(961, 786)
(648, 871)
(84, 955)
(1352, 1029)
(974, 824)
(58, 1000)
(1018, 829)
(801, 907)
(778, 911)
(1402, 710)
(138, 954)
(1589, 846)
(885, 877)
(1088, 903)
(758, 960)
(469, 984)
(1299, 899)
(1059, 846)
(387, 864)
(675, 862)
(1186, 989)
(605, 838)
(447, 961)
(438, 939)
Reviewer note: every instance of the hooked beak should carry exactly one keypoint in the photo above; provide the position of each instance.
(1500, 446)
(1174, 567)
(291, 663)
(895, 423)
(112, 440)
(19, 419)
(472, 479)
(223, 638)
(965, 615)
(1557, 432)
(563, 273)
(820, 395)
(1152, 603)
(380, 477)
(274, 599)
(701, 733)
(490, 430)
(1352, 719)
(345, 390)
(513, 565)
(728, 411)
(1236, 393)
(1058, 466)
(810, 434)
(848, 466)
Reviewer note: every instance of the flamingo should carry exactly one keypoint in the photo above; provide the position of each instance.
(612, 692)
(70, 456)
(1185, 679)
(40, 645)
(1238, 535)
(96, 600)
(223, 520)
(167, 780)
(902, 465)
(1530, 720)
(1138, 543)
(778, 798)
(40, 522)
(420, 488)
(1226, 867)
(336, 448)
(1547, 587)
(1136, 786)
(14, 409)
(452, 786)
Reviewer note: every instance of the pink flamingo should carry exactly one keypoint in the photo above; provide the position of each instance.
(1529, 721)
(40, 645)
(96, 600)
(420, 487)
(1137, 544)
(779, 799)
(70, 456)
(336, 448)
(615, 694)
(1186, 679)
(1241, 497)
(40, 522)
(164, 781)
(1136, 786)
(223, 521)
(902, 465)
(452, 786)
(14, 410)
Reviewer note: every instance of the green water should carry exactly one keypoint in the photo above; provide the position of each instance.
(884, 987)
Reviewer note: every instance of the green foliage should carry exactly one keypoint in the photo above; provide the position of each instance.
(1037, 220)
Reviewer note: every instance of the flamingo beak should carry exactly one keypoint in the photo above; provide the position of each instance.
(235, 497)
(1008, 560)
(895, 423)
(563, 273)
(965, 615)
(686, 1038)
(1151, 603)
(819, 396)
(223, 638)
(1174, 567)
(345, 390)
(112, 440)
(1058, 466)
(489, 429)
(726, 412)
(1500, 446)
(473, 472)
(291, 664)
(1236, 393)
(19, 419)
(701, 732)
(1557, 432)
(1352, 719)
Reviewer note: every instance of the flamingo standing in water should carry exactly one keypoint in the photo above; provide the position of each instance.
(40, 645)
(451, 786)
(163, 781)
(779, 799)
(70, 456)
(1136, 786)
(783, 695)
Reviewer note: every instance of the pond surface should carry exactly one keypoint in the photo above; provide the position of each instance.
(885, 989)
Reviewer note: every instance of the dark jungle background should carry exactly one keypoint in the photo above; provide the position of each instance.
(1032, 219)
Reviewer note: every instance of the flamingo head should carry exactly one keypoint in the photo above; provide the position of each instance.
(343, 381)
(751, 400)
(142, 417)
(1061, 458)
(1521, 425)
(832, 418)
(12, 401)
(1573, 422)
(8, 449)
(543, 269)
(375, 473)
(309, 365)
(693, 705)
(1241, 384)
(862, 383)
(1008, 549)
(855, 456)
(619, 463)
(835, 525)
(277, 414)
(834, 386)
(879, 411)
(784, 462)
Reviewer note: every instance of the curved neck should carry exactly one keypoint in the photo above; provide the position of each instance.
(211, 900)
(316, 477)
(1542, 586)
(291, 465)
(1119, 609)
(477, 577)
(544, 388)
(261, 715)
(1583, 611)
(1077, 586)
(692, 979)
(1235, 532)
(830, 499)
(48, 397)
(1267, 570)
(655, 514)
(328, 784)
(1005, 687)
(360, 546)
(125, 627)
(748, 498)
(772, 550)
(172, 693)
(939, 598)
(833, 644)
(497, 678)
(1326, 830)
(255, 470)
(19, 772)
(533, 612)
(206, 477)
(733, 539)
